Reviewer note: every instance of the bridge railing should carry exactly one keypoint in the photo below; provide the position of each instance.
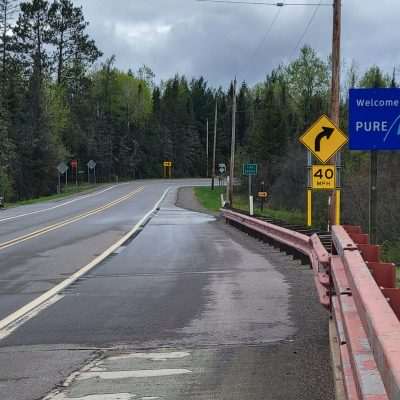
(360, 293)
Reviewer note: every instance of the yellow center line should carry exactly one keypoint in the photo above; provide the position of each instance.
(68, 221)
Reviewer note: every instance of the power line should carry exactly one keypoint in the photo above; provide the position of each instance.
(263, 40)
(314, 14)
(269, 30)
(263, 3)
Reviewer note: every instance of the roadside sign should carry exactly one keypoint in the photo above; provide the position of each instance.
(91, 164)
(262, 195)
(222, 169)
(62, 168)
(324, 139)
(74, 164)
(250, 169)
(167, 164)
(374, 119)
(324, 177)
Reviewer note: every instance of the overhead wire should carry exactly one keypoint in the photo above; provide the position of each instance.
(280, 5)
(269, 30)
(264, 38)
(263, 3)
(314, 14)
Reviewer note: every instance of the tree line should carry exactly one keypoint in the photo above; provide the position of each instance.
(59, 102)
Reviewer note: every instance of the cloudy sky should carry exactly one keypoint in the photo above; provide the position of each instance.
(220, 40)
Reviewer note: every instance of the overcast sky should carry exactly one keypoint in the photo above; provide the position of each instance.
(219, 40)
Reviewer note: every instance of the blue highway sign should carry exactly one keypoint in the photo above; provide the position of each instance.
(374, 119)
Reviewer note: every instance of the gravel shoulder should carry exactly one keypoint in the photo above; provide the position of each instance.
(187, 199)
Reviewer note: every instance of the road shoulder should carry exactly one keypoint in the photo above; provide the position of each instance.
(187, 199)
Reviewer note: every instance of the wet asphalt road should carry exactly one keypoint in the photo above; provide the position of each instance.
(31, 267)
(191, 308)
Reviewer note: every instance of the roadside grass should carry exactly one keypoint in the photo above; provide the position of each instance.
(209, 199)
(212, 201)
(67, 191)
(290, 216)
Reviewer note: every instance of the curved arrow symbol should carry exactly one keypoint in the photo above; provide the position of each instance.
(326, 133)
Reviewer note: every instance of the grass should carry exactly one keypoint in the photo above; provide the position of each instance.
(209, 199)
(67, 191)
(212, 201)
(292, 217)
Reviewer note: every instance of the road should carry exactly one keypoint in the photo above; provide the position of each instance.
(187, 308)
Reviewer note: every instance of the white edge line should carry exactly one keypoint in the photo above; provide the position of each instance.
(97, 193)
(21, 316)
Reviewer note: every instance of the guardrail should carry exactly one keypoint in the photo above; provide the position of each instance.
(360, 293)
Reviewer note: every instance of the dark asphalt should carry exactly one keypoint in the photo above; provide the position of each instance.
(32, 267)
(245, 317)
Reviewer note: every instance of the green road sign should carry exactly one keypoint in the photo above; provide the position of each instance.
(249, 169)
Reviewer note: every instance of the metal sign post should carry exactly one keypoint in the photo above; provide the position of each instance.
(91, 165)
(221, 172)
(62, 169)
(262, 197)
(309, 189)
(74, 167)
(250, 170)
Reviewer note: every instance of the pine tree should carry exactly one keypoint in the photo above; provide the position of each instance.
(74, 51)
(8, 8)
(38, 148)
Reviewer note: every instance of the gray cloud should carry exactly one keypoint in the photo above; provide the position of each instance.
(219, 41)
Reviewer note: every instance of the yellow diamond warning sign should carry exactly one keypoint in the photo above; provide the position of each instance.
(323, 177)
(324, 139)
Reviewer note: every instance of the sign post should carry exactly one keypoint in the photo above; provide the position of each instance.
(374, 124)
(323, 141)
(221, 173)
(250, 170)
(167, 169)
(91, 165)
(74, 167)
(62, 169)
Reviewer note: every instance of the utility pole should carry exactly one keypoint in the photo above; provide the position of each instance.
(207, 151)
(233, 144)
(335, 103)
(214, 144)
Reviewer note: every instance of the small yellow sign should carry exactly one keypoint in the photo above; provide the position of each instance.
(262, 195)
(324, 139)
(167, 163)
(324, 177)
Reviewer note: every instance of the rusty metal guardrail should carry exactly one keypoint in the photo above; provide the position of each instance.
(360, 293)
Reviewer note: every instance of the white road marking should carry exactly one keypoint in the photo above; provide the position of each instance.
(29, 315)
(116, 396)
(150, 356)
(57, 206)
(27, 312)
(120, 250)
(143, 373)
